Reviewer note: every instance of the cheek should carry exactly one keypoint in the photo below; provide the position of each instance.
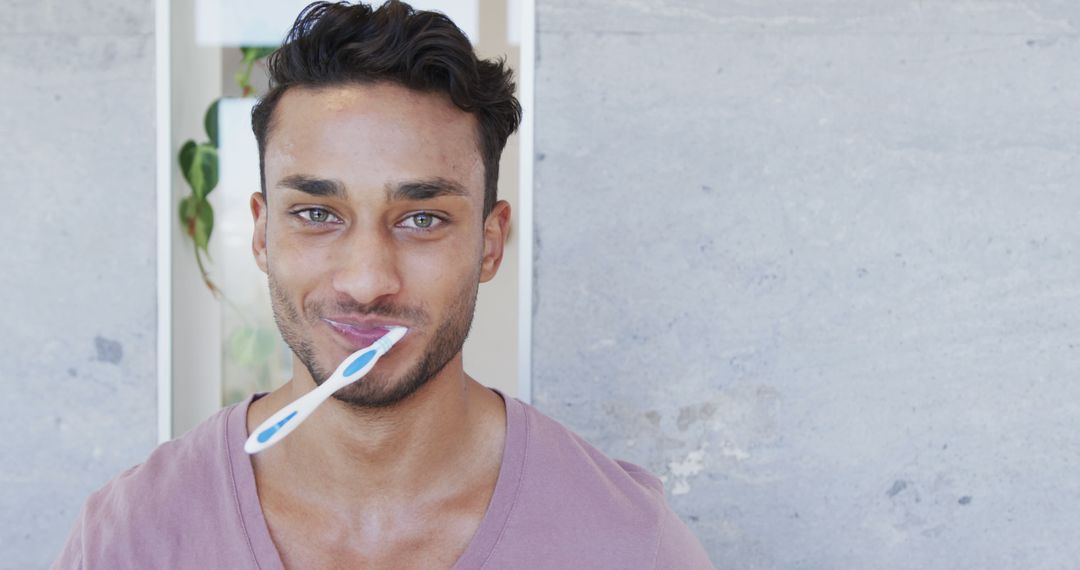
(440, 271)
(295, 266)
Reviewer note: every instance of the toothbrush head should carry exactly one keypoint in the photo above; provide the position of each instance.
(391, 338)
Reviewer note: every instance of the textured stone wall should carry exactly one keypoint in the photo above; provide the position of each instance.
(816, 263)
(77, 260)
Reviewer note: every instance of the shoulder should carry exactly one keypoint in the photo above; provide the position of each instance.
(142, 512)
(599, 511)
(195, 460)
(677, 547)
(560, 452)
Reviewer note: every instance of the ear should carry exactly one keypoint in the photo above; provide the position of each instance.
(496, 230)
(258, 238)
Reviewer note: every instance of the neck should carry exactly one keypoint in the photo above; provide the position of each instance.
(348, 458)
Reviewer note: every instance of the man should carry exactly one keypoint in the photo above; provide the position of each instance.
(379, 142)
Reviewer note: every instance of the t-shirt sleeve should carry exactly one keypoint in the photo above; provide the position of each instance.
(678, 548)
(177, 509)
(71, 556)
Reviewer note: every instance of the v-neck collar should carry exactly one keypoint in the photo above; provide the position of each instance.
(265, 554)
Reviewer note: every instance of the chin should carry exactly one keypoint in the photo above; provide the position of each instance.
(378, 391)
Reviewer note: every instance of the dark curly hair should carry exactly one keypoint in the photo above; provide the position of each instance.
(338, 44)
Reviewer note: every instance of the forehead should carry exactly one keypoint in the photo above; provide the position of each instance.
(369, 136)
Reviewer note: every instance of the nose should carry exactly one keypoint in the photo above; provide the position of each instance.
(367, 267)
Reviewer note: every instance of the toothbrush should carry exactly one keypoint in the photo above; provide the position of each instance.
(353, 368)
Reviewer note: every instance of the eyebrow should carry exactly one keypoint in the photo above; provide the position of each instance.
(404, 191)
(315, 186)
(424, 189)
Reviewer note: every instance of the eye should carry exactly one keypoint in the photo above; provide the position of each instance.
(317, 215)
(421, 221)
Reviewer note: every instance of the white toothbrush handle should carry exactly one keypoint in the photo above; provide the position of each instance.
(350, 370)
(286, 419)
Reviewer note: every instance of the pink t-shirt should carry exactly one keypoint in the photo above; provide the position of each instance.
(559, 503)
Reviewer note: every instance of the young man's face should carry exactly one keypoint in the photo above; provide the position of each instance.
(374, 217)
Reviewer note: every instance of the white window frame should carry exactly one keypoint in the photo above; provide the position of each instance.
(166, 217)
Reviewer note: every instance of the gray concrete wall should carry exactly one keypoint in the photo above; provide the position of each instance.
(816, 263)
(78, 260)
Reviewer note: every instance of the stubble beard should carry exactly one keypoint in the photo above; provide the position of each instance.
(376, 390)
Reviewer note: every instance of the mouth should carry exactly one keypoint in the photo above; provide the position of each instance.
(359, 334)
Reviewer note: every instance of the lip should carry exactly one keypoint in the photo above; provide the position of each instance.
(358, 333)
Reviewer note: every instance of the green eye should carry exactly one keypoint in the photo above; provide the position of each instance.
(317, 216)
(422, 220)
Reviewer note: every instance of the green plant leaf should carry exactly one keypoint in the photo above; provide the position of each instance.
(199, 163)
(210, 166)
(187, 158)
(253, 53)
(204, 225)
(210, 122)
(187, 214)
